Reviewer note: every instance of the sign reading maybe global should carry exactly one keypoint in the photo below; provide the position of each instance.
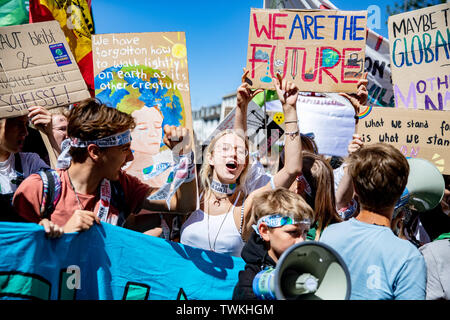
(420, 58)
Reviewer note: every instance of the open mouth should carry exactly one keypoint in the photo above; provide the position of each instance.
(232, 165)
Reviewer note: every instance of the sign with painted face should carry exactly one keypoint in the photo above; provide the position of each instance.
(420, 58)
(416, 133)
(37, 68)
(321, 51)
(145, 75)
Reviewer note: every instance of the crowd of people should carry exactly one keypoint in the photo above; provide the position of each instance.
(226, 207)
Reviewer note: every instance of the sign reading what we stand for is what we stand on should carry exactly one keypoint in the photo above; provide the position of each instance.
(420, 63)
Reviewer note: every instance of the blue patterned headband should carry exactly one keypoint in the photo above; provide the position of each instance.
(64, 158)
(278, 220)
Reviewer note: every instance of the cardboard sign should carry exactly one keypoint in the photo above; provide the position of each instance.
(37, 68)
(321, 51)
(328, 115)
(145, 75)
(377, 50)
(416, 133)
(420, 58)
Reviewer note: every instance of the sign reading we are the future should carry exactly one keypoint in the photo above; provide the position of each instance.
(420, 58)
(319, 50)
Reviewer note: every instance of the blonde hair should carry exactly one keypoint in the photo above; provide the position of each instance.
(206, 171)
(61, 110)
(282, 201)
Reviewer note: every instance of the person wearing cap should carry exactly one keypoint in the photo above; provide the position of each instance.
(280, 219)
(97, 148)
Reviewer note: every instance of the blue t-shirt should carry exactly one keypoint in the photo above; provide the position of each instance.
(381, 265)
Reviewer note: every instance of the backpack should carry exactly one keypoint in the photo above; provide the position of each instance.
(8, 213)
(52, 193)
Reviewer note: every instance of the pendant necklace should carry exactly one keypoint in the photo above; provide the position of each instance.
(213, 247)
(76, 196)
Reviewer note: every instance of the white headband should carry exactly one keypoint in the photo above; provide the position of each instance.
(117, 139)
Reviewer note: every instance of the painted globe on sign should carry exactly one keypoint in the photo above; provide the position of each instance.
(131, 88)
(329, 58)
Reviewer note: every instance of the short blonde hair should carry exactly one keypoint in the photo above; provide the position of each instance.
(282, 201)
(206, 170)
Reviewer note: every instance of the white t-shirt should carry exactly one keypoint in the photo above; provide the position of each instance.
(31, 163)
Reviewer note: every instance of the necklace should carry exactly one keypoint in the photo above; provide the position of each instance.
(213, 247)
(105, 200)
(76, 196)
(223, 188)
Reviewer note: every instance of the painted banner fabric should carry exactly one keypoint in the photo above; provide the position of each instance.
(420, 58)
(319, 50)
(145, 75)
(109, 263)
(75, 19)
(37, 68)
(416, 133)
(13, 12)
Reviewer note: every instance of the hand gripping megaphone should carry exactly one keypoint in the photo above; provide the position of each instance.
(425, 187)
(309, 270)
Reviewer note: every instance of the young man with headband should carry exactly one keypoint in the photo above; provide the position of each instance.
(92, 159)
(281, 218)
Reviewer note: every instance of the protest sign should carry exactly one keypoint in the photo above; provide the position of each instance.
(420, 58)
(108, 262)
(145, 75)
(377, 61)
(37, 68)
(321, 51)
(416, 133)
(328, 115)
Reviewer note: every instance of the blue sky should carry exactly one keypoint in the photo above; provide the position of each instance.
(216, 35)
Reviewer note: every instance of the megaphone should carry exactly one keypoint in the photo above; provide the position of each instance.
(425, 187)
(309, 270)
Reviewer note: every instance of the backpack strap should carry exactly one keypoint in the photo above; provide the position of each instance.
(18, 163)
(51, 191)
(118, 202)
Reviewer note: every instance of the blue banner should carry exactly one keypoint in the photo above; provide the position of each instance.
(109, 263)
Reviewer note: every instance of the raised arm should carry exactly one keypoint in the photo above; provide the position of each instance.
(288, 94)
(41, 118)
(244, 96)
(344, 192)
(185, 198)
